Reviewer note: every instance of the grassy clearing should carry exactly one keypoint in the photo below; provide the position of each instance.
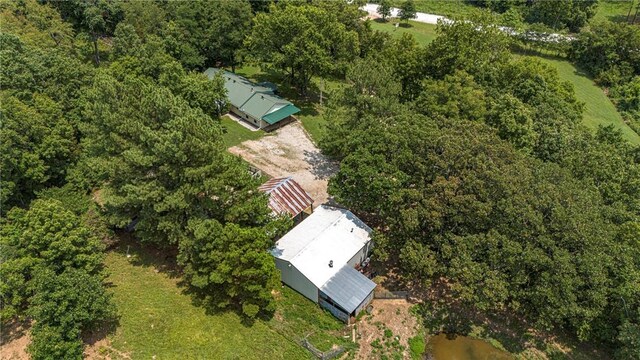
(599, 110)
(236, 133)
(158, 318)
(442, 7)
(614, 10)
(424, 33)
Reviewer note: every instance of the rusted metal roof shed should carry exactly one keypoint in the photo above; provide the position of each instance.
(287, 196)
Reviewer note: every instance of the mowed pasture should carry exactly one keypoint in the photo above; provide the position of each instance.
(599, 110)
(158, 319)
(423, 33)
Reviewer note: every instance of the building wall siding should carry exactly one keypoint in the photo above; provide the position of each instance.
(248, 118)
(295, 280)
(361, 255)
(340, 314)
(364, 303)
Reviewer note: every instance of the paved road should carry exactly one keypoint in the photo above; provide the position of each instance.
(372, 9)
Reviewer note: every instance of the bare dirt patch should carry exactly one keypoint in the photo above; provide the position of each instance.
(290, 152)
(14, 339)
(391, 315)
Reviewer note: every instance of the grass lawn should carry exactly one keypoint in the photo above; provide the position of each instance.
(157, 318)
(424, 33)
(599, 110)
(442, 7)
(236, 133)
(614, 10)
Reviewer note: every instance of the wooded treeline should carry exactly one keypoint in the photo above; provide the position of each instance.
(473, 163)
(477, 170)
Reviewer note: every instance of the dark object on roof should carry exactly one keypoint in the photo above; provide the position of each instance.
(286, 196)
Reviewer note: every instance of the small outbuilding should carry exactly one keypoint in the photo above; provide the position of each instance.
(286, 196)
(256, 104)
(318, 258)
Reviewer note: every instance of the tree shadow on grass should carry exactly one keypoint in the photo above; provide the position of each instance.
(405, 25)
(161, 258)
(101, 331)
(202, 300)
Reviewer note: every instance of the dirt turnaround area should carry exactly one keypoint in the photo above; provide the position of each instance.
(289, 151)
(390, 324)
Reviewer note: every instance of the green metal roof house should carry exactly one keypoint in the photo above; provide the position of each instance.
(255, 103)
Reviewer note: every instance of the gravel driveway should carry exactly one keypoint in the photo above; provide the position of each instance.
(290, 152)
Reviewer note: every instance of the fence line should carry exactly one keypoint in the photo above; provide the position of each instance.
(384, 294)
(327, 355)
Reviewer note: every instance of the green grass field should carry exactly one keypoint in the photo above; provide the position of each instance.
(614, 10)
(442, 7)
(158, 318)
(236, 133)
(599, 110)
(423, 33)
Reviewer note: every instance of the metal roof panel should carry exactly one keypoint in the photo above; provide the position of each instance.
(348, 288)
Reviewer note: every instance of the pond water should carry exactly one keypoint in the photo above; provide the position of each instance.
(454, 347)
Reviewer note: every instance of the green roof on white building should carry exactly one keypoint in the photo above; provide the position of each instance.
(256, 100)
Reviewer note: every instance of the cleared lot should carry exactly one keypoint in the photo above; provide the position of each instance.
(290, 152)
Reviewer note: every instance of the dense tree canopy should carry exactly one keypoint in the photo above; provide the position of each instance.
(167, 168)
(52, 272)
(470, 162)
(302, 40)
(487, 179)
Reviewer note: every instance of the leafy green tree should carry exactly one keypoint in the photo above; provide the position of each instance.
(53, 71)
(303, 41)
(407, 11)
(232, 24)
(169, 170)
(47, 236)
(126, 41)
(607, 52)
(384, 9)
(201, 32)
(457, 96)
(37, 144)
(570, 14)
(147, 17)
(229, 266)
(63, 306)
(95, 18)
(461, 45)
(404, 56)
(629, 335)
(36, 24)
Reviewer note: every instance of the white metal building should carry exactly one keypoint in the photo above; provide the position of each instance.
(318, 257)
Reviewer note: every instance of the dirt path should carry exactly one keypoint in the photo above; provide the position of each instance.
(290, 152)
(400, 325)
